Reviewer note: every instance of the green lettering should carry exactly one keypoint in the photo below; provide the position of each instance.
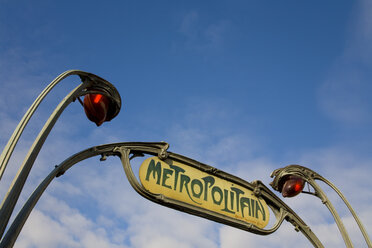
(166, 173)
(185, 180)
(262, 210)
(177, 170)
(238, 192)
(207, 180)
(216, 189)
(245, 203)
(199, 183)
(154, 169)
(253, 207)
(226, 192)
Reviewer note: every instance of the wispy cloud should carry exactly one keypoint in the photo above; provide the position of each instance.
(58, 225)
(162, 227)
(199, 35)
(94, 206)
(344, 94)
(108, 213)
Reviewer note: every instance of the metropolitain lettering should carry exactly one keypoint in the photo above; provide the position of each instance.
(231, 200)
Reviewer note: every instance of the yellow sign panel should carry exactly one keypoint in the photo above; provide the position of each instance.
(190, 185)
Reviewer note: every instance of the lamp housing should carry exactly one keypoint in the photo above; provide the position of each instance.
(102, 101)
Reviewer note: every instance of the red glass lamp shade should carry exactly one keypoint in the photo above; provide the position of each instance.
(293, 185)
(96, 107)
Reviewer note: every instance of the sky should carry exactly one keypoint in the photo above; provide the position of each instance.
(244, 86)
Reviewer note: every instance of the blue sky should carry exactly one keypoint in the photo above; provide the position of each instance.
(244, 86)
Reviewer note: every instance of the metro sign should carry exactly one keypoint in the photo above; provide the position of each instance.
(205, 191)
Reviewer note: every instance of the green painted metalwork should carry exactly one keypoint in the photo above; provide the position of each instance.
(90, 83)
(129, 150)
(310, 176)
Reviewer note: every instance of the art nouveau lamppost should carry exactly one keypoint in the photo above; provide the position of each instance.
(290, 181)
(166, 178)
(101, 103)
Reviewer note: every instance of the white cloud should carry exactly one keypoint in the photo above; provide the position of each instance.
(158, 226)
(361, 43)
(122, 218)
(44, 232)
(58, 225)
(286, 236)
(94, 206)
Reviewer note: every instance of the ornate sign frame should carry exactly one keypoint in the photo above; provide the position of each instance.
(279, 208)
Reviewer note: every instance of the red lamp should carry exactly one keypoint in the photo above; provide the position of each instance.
(293, 185)
(96, 107)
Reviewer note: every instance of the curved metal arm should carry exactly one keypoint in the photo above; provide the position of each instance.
(290, 215)
(12, 142)
(89, 81)
(310, 176)
(356, 218)
(9, 148)
(16, 187)
(104, 150)
(281, 210)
